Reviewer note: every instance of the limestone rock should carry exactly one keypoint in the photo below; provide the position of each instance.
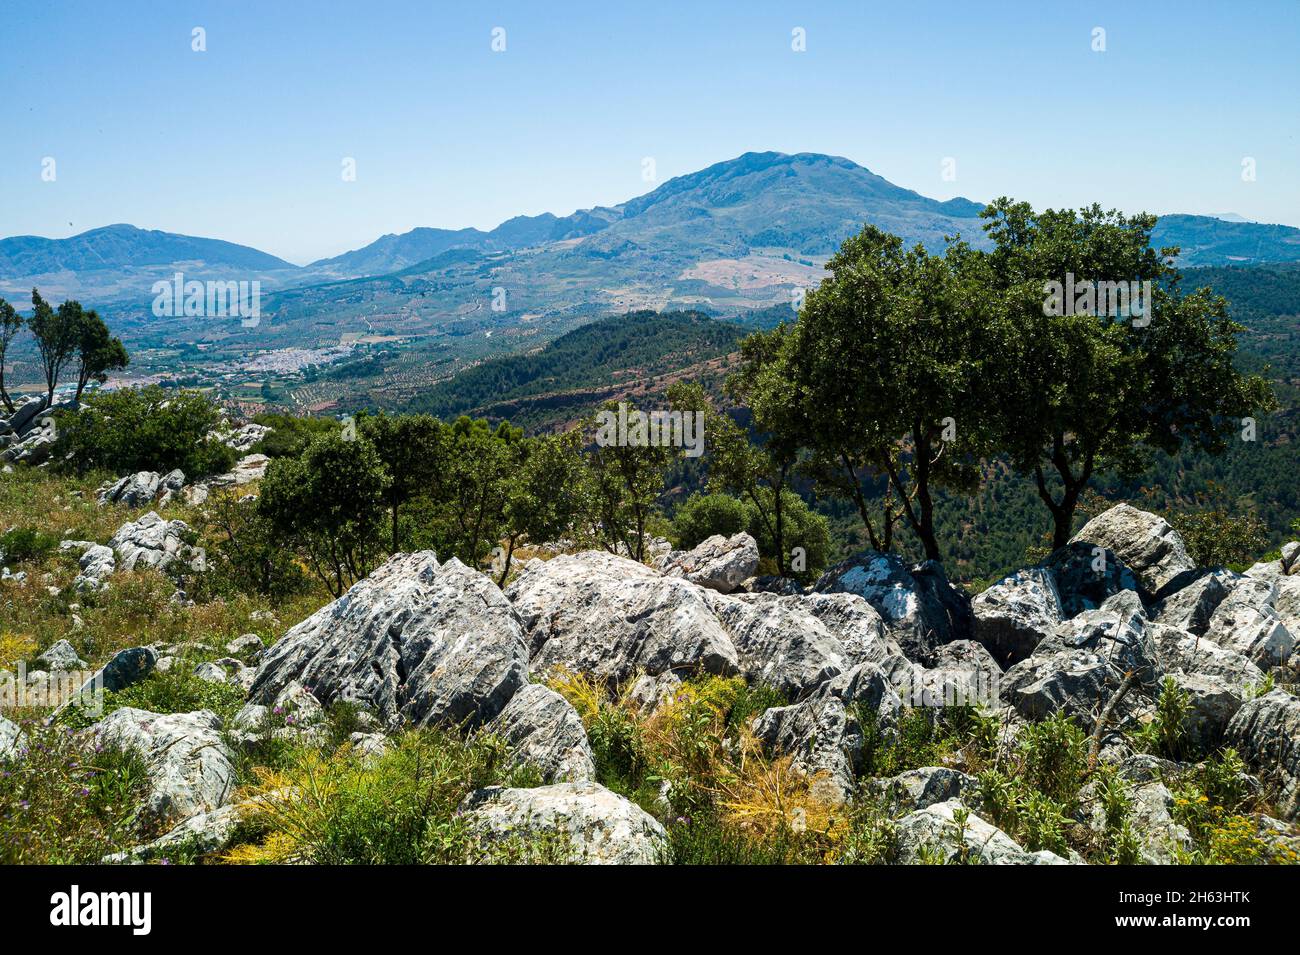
(543, 730)
(719, 563)
(1145, 542)
(1013, 615)
(414, 641)
(601, 827)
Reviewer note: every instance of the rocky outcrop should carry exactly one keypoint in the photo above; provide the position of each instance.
(1186, 652)
(190, 768)
(1076, 681)
(1212, 702)
(1086, 576)
(780, 643)
(151, 542)
(719, 563)
(242, 438)
(125, 668)
(416, 641)
(1146, 543)
(202, 833)
(1266, 732)
(597, 826)
(1150, 816)
(249, 468)
(614, 619)
(823, 734)
(935, 834)
(920, 608)
(1256, 632)
(61, 656)
(13, 742)
(1016, 613)
(544, 731)
(143, 489)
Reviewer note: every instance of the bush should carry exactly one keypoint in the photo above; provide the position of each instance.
(1216, 538)
(144, 429)
(20, 545)
(396, 808)
(290, 434)
(703, 515)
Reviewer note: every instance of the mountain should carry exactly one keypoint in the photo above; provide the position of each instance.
(105, 262)
(738, 236)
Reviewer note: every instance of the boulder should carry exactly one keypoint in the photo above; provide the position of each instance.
(1076, 681)
(823, 735)
(601, 828)
(1290, 557)
(1287, 602)
(13, 742)
(1086, 575)
(1213, 703)
(125, 668)
(920, 608)
(854, 622)
(1256, 633)
(719, 563)
(247, 643)
(61, 656)
(202, 833)
(151, 542)
(1189, 605)
(1121, 638)
(614, 619)
(1013, 615)
(919, 788)
(416, 641)
(242, 438)
(1180, 650)
(134, 490)
(1266, 732)
(1145, 542)
(97, 563)
(544, 731)
(780, 643)
(934, 834)
(190, 768)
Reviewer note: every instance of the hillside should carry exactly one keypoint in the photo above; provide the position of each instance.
(572, 374)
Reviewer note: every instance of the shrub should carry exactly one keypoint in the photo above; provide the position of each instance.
(703, 515)
(396, 808)
(20, 545)
(143, 429)
(290, 434)
(1215, 537)
(66, 805)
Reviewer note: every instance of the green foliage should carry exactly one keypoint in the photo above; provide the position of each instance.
(10, 324)
(143, 429)
(65, 804)
(393, 809)
(21, 545)
(248, 555)
(1167, 735)
(1217, 538)
(97, 352)
(923, 736)
(291, 434)
(703, 515)
(328, 504)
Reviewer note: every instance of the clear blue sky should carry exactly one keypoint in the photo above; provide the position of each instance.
(245, 141)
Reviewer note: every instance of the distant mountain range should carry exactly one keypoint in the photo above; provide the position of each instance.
(736, 236)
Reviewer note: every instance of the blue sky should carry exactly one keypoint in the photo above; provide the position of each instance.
(245, 141)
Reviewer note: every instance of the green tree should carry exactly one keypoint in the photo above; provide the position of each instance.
(549, 496)
(884, 374)
(10, 324)
(1080, 394)
(414, 450)
(329, 503)
(143, 429)
(97, 352)
(625, 480)
(56, 332)
(482, 466)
